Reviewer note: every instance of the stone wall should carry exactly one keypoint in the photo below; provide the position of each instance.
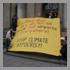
(28, 10)
(6, 15)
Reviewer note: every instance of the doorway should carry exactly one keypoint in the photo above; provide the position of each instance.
(50, 8)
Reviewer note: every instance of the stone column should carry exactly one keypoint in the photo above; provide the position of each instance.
(6, 15)
(65, 16)
(30, 10)
(38, 8)
(13, 9)
(60, 9)
(21, 10)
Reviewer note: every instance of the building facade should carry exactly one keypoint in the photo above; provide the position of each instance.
(29, 10)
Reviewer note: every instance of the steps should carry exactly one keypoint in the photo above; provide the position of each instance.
(37, 56)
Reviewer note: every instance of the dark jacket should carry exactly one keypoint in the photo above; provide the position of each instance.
(63, 50)
(14, 24)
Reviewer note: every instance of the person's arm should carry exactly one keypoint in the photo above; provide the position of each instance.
(60, 20)
(63, 38)
(9, 38)
(14, 31)
(61, 46)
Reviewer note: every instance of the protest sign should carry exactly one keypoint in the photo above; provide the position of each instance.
(38, 35)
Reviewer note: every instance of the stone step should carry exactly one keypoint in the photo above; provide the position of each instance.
(37, 56)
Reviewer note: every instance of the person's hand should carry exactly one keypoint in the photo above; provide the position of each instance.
(61, 46)
(60, 55)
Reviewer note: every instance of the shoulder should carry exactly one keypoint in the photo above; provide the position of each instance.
(8, 32)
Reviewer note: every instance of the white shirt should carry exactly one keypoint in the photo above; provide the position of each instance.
(49, 16)
(8, 34)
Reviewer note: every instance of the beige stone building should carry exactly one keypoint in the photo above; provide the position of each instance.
(29, 10)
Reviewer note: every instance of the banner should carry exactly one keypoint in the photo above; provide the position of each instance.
(21, 21)
(38, 35)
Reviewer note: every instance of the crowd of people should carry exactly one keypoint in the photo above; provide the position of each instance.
(12, 30)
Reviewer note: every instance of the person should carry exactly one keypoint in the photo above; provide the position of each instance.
(14, 24)
(55, 15)
(47, 15)
(59, 16)
(9, 35)
(9, 38)
(44, 16)
(6, 43)
(63, 50)
(50, 15)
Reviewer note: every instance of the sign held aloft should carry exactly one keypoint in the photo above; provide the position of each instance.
(37, 35)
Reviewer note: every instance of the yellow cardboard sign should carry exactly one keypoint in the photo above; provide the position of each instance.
(38, 35)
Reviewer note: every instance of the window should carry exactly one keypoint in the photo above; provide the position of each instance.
(51, 6)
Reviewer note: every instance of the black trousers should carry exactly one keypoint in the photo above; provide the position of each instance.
(6, 43)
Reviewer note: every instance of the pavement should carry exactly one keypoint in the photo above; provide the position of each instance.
(27, 59)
